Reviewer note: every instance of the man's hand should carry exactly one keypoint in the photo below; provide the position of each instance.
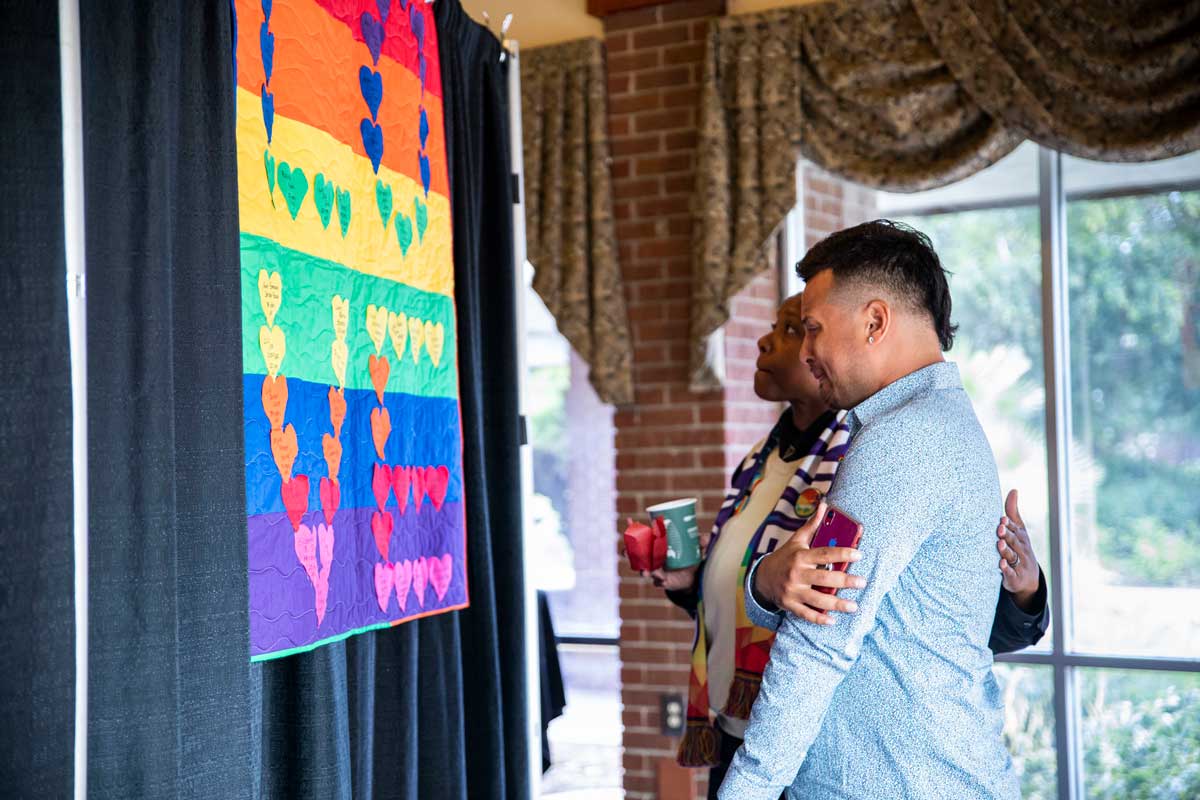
(673, 580)
(787, 576)
(1018, 564)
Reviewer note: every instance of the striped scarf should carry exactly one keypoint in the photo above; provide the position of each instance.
(811, 481)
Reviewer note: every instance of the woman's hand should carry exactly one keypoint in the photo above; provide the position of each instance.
(788, 576)
(1018, 564)
(673, 580)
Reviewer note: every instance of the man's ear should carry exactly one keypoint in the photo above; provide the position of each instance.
(877, 321)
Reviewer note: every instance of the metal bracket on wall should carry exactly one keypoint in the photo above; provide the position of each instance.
(516, 189)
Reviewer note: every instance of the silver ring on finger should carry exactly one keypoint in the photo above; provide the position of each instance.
(1016, 562)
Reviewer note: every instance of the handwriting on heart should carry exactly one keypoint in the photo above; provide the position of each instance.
(383, 200)
(381, 484)
(337, 409)
(342, 197)
(331, 497)
(416, 336)
(274, 399)
(441, 571)
(381, 427)
(370, 83)
(381, 529)
(372, 139)
(377, 320)
(398, 330)
(379, 369)
(270, 293)
(323, 198)
(420, 577)
(339, 357)
(284, 449)
(294, 185)
(273, 345)
(404, 233)
(435, 341)
(420, 210)
(437, 482)
(401, 480)
(383, 585)
(308, 542)
(402, 575)
(332, 447)
(295, 499)
(341, 316)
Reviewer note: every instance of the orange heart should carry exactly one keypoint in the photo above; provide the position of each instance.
(284, 448)
(379, 374)
(274, 399)
(337, 409)
(381, 426)
(333, 454)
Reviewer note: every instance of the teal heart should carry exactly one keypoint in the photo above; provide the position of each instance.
(383, 199)
(294, 186)
(269, 161)
(323, 198)
(343, 207)
(403, 233)
(422, 217)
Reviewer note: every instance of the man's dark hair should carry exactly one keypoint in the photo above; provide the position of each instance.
(892, 256)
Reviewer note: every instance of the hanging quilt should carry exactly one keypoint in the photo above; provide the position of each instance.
(354, 488)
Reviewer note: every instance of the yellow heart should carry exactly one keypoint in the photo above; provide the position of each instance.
(435, 340)
(377, 320)
(341, 317)
(270, 293)
(340, 356)
(273, 346)
(416, 332)
(398, 328)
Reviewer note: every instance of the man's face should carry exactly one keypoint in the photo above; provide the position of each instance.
(831, 346)
(782, 375)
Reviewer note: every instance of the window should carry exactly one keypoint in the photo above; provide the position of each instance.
(1076, 286)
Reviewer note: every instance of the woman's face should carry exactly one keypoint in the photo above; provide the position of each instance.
(782, 377)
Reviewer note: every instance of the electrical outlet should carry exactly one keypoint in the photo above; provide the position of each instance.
(672, 714)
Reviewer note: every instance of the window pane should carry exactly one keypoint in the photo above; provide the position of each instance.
(1140, 735)
(1134, 282)
(585, 742)
(1029, 727)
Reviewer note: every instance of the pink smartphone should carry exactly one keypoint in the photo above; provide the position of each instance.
(838, 529)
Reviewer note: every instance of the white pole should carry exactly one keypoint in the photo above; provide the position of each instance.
(72, 145)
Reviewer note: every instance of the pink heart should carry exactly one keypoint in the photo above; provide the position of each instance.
(295, 499)
(403, 573)
(420, 577)
(437, 481)
(441, 573)
(331, 498)
(325, 544)
(401, 478)
(381, 484)
(306, 551)
(381, 528)
(383, 585)
(418, 486)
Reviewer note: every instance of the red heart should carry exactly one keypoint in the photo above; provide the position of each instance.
(337, 409)
(437, 481)
(418, 486)
(379, 369)
(295, 499)
(401, 479)
(381, 427)
(331, 498)
(381, 484)
(274, 399)
(381, 528)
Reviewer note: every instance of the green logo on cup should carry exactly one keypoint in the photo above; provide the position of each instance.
(683, 534)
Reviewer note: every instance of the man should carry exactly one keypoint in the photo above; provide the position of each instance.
(897, 700)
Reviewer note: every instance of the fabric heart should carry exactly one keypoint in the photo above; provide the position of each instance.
(341, 316)
(381, 529)
(274, 346)
(422, 214)
(423, 162)
(440, 574)
(304, 540)
(383, 199)
(402, 574)
(270, 293)
(416, 21)
(266, 42)
(331, 497)
(295, 499)
(266, 7)
(372, 139)
(381, 427)
(323, 198)
(274, 399)
(421, 71)
(325, 547)
(370, 83)
(384, 6)
(420, 577)
(398, 328)
(379, 369)
(435, 341)
(337, 409)
(401, 481)
(269, 162)
(437, 482)
(404, 233)
(423, 128)
(417, 475)
(294, 185)
(377, 321)
(284, 449)
(339, 356)
(332, 446)
(268, 110)
(372, 33)
(416, 335)
(343, 209)
(381, 484)
(383, 585)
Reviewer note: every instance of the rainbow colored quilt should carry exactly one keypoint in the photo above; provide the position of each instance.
(354, 488)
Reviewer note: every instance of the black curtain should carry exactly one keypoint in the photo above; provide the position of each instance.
(37, 630)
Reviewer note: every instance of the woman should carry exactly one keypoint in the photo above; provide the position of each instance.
(775, 489)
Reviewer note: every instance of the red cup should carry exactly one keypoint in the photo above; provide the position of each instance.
(646, 546)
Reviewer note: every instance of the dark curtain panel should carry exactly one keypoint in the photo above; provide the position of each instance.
(37, 627)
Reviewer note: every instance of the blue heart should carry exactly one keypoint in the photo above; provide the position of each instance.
(266, 40)
(266, 7)
(384, 6)
(372, 32)
(404, 5)
(268, 106)
(424, 129)
(424, 173)
(416, 21)
(372, 136)
(371, 84)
